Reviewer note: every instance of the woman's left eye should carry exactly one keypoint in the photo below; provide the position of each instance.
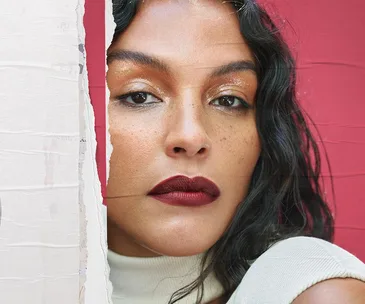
(230, 101)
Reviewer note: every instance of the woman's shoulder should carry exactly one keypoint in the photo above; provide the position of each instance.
(291, 266)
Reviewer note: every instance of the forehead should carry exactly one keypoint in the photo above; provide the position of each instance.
(200, 33)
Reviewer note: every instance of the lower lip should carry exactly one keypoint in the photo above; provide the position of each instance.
(190, 199)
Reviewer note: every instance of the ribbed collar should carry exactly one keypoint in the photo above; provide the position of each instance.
(154, 280)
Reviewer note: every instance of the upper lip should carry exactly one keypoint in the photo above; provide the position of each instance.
(181, 183)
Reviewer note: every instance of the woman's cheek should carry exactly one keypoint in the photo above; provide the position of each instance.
(135, 144)
(241, 151)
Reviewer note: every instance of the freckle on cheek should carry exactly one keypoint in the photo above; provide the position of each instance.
(241, 160)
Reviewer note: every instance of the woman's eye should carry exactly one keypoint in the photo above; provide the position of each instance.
(138, 98)
(230, 101)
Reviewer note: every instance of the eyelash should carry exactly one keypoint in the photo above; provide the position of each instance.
(122, 99)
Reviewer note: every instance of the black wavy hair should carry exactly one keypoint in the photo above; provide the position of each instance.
(285, 197)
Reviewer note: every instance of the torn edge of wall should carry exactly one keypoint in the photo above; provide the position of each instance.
(94, 271)
(109, 31)
(82, 150)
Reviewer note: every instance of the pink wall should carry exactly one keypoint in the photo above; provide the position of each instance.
(329, 43)
(94, 22)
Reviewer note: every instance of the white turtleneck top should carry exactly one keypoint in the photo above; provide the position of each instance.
(278, 276)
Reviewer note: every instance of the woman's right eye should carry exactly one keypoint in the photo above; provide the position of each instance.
(138, 98)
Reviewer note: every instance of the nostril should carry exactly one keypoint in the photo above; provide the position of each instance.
(177, 149)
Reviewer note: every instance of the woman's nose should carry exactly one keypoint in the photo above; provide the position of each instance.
(187, 136)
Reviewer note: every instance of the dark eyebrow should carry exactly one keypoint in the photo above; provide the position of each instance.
(144, 59)
(232, 67)
(138, 58)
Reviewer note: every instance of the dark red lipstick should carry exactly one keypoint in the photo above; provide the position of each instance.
(184, 191)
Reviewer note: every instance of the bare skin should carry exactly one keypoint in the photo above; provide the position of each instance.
(334, 291)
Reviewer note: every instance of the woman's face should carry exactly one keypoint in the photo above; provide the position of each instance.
(195, 116)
